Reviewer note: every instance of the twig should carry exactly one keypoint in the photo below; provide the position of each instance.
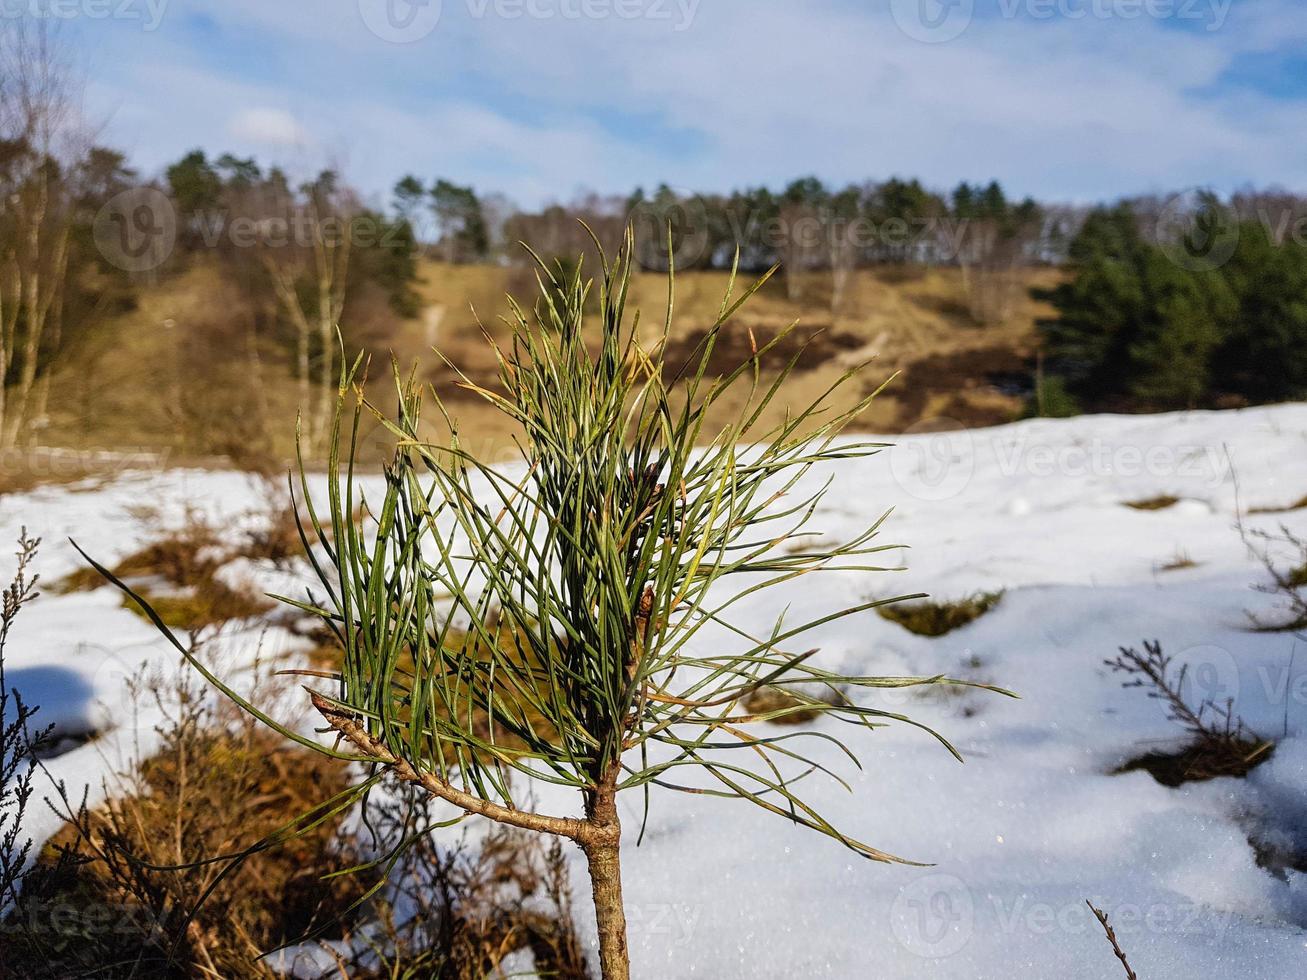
(1101, 916)
(349, 726)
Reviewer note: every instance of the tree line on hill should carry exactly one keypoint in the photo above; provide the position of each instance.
(805, 227)
(1170, 302)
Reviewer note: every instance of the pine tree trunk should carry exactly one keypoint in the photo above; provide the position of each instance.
(606, 878)
(604, 855)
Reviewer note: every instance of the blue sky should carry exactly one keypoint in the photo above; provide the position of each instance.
(1069, 100)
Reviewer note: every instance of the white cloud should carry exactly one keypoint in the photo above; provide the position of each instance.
(268, 126)
(767, 90)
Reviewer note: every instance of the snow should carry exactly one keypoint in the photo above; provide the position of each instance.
(1022, 833)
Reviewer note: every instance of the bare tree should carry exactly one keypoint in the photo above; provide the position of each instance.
(992, 251)
(36, 218)
(843, 258)
(305, 249)
(800, 245)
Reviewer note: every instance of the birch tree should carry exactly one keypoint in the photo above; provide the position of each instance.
(36, 218)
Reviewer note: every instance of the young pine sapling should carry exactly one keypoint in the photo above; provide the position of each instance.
(541, 621)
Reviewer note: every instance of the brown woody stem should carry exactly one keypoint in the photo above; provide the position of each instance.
(604, 853)
(350, 727)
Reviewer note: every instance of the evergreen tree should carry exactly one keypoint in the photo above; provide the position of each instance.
(238, 174)
(407, 197)
(1185, 316)
(1264, 356)
(463, 232)
(1134, 326)
(194, 184)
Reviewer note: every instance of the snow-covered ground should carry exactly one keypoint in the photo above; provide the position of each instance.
(1019, 836)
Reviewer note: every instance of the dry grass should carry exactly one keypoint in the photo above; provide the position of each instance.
(177, 574)
(1161, 502)
(175, 373)
(1300, 504)
(938, 618)
(22, 470)
(784, 707)
(210, 400)
(1202, 760)
(157, 893)
(197, 607)
(1178, 562)
(218, 786)
(182, 556)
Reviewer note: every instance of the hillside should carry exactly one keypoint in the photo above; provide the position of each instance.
(177, 374)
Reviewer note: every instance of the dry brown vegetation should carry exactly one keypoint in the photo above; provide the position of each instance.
(937, 618)
(218, 849)
(1283, 555)
(1217, 744)
(1299, 504)
(1110, 933)
(779, 706)
(189, 871)
(177, 574)
(215, 789)
(1178, 562)
(1162, 502)
(185, 372)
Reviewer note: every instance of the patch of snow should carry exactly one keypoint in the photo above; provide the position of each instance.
(1019, 836)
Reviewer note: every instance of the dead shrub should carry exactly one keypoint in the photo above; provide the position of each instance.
(20, 744)
(1283, 554)
(1218, 741)
(217, 850)
(457, 912)
(188, 841)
